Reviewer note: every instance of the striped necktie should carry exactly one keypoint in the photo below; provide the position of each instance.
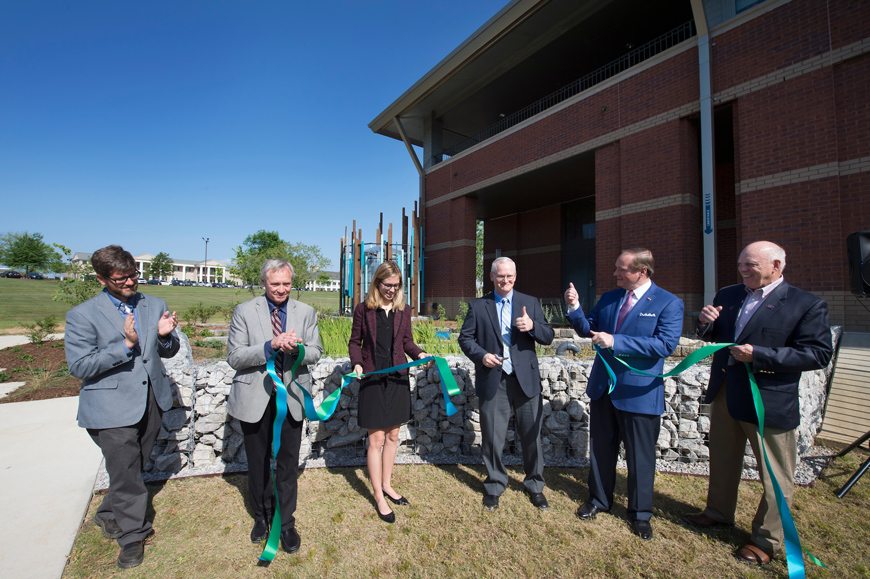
(276, 330)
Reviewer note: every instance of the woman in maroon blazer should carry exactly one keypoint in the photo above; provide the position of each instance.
(380, 338)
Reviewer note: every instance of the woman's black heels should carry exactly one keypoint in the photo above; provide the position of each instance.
(390, 518)
(399, 501)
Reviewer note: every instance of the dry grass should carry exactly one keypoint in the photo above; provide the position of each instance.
(203, 524)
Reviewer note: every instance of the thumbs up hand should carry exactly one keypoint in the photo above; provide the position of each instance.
(525, 323)
(571, 297)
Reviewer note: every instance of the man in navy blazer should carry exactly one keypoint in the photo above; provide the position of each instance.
(114, 343)
(641, 324)
(499, 336)
(781, 331)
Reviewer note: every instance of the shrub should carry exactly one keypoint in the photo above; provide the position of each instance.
(206, 333)
(4, 377)
(463, 311)
(189, 331)
(39, 330)
(440, 312)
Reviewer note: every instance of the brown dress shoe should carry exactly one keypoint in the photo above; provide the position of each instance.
(701, 520)
(750, 553)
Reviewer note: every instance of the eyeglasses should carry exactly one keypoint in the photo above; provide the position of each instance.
(392, 286)
(125, 279)
(505, 277)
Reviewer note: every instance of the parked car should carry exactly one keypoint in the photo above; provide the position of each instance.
(177, 282)
(34, 275)
(153, 282)
(12, 273)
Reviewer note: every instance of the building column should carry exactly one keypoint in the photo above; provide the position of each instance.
(432, 141)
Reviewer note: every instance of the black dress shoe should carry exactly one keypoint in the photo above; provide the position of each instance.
(290, 540)
(642, 528)
(260, 531)
(109, 527)
(490, 502)
(399, 501)
(588, 511)
(539, 500)
(132, 554)
(388, 518)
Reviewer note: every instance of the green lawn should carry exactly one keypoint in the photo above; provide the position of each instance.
(24, 301)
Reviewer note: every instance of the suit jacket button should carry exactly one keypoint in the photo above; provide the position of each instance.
(144, 382)
(145, 360)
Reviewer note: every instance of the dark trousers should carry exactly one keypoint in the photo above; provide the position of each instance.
(126, 450)
(494, 417)
(258, 447)
(639, 433)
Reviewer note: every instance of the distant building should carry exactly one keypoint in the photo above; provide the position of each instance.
(183, 269)
(329, 286)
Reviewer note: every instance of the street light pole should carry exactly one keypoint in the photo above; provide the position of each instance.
(205, 263)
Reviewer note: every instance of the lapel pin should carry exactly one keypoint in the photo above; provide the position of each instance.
(770, 306)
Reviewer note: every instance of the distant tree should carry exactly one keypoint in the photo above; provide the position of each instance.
(25, 250)
(308, 265)
(80, 285)
(307, 260)
(263, 241)
(161, 265)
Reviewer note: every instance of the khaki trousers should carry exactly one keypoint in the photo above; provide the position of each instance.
(727, 443)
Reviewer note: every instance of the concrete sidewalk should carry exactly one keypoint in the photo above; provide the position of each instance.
(9, 341)
(47, 470)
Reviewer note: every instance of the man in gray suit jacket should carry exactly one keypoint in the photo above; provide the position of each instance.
(499, 336)
(114, 343)
(260, 327)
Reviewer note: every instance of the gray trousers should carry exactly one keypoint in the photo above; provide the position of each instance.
(494, 417)
(126, 450)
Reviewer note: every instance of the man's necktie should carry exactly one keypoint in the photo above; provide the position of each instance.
(276, 330)
(506, 336)
(623, 311)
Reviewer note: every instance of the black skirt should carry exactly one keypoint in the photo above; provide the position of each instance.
(384, 400)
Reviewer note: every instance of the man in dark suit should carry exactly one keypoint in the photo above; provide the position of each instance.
(499, 336)
(114, 343)
(640, 323)
(781, 331)
(259, 328)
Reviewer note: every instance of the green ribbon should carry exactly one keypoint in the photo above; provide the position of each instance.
(323, 412)
(793, 545)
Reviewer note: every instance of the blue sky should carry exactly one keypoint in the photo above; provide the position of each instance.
(154, 124)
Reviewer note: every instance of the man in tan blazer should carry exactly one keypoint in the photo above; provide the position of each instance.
(261, 326)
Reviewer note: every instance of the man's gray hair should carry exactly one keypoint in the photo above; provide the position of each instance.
(499, 260)
(274, 264)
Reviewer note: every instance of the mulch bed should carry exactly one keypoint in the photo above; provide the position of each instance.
(20, 361)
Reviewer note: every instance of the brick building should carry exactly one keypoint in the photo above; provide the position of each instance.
(693, 127)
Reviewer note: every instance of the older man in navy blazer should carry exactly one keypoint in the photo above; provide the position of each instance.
(114, 342)
(499, 336)
(781, 331)
(641, 324)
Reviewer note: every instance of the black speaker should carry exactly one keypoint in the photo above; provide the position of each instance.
(858, 250)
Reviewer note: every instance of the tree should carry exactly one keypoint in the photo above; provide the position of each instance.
(263, 241)
(80, 286)
(25, 250)
(161, 265)
(307, 260)
(308, 265)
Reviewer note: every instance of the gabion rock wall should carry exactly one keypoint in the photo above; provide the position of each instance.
(198, 433)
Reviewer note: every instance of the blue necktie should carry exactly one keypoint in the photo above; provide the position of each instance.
(506, 335)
